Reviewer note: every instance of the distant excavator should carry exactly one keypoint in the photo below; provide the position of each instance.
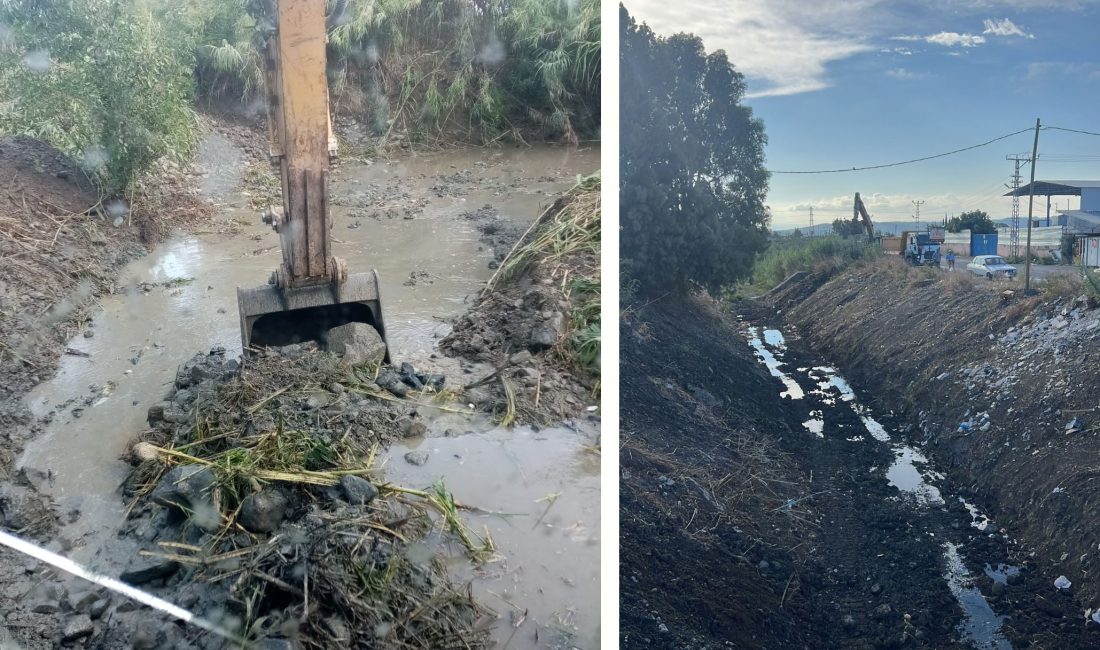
(311, 291)
(859, 215)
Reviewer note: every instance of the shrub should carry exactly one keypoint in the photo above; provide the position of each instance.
(101, 80)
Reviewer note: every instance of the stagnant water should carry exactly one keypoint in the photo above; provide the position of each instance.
(550, 564)
(910, 472)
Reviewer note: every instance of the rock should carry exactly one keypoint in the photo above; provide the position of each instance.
(417, 458)
(358, 343)
(98, 608)
(521, 357)
(156, 412)
(145, 450)
(263, 511)
(183, 396)
(358, 490)
(884, 610)
(412, 427)
(433, 380)
(186, 488)
(543, 337)
(77, 627)
(149, 572)
(409, 376)
(201, 372)
(391, 381)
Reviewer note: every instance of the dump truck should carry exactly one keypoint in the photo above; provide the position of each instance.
(922, 248)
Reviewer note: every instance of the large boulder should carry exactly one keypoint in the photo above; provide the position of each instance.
(358, 343)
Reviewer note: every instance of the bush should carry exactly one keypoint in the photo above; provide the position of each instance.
(790, 255)
(99, 79)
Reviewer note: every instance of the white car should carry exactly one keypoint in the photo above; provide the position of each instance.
(991, 266)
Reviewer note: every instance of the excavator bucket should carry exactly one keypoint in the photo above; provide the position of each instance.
(311, 292)
(271, 317)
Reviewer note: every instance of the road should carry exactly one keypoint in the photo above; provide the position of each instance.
(1038, 271)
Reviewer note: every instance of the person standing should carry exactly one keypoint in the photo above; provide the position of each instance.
(950, 259)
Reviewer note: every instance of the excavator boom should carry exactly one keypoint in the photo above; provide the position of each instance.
(859, 214)
(311, 291)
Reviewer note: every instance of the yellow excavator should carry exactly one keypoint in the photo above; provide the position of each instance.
(312, 290)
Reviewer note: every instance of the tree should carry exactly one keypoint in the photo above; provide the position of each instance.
(847, 227)
(976, 221)
(797, 234)
(692, 177)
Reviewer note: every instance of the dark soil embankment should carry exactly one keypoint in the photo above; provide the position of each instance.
(1004, 391)
(740, 525)
(537, 323)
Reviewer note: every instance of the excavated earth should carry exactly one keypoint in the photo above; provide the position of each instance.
(766, 502)
(1002, 390)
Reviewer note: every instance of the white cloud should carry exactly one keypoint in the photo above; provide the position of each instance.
(952, 39)
(902, 73)
(1004, 27)
(779, 47)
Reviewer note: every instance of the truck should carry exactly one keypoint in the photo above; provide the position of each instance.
(923, 248)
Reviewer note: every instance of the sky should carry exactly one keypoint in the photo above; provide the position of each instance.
(852, 83)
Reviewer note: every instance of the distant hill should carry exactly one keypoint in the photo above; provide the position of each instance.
(892, 227)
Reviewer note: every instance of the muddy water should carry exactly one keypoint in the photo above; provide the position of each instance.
(910, 473)
(545, 487)
(399, 217)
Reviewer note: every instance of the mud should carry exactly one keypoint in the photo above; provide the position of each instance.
(839, 541)
(181, 298)
(990, 389)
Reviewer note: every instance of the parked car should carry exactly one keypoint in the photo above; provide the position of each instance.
(991, 266)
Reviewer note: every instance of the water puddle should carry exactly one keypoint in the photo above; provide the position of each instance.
(547, 485)
(773, 363)
(904, 475)
(909, 472)
(1002, 572)
(981, 625)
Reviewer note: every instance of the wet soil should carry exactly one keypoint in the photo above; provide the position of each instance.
(180, 299)
(755, 471)
(1000, 392)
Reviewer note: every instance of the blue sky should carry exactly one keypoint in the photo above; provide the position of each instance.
(843, 83)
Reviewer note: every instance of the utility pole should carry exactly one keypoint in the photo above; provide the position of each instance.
(1030, 208)
(811, 221)
(917, 215)
(1014, 233)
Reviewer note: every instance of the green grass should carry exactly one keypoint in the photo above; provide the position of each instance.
(784, 257)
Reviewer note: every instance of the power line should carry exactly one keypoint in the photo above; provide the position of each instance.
(909, 162)
(1059, 128)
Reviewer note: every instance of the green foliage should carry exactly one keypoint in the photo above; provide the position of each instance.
(102, 80)
(584, 342)
(691, 165)
(432, 67)
(976, 221)
(791, 255)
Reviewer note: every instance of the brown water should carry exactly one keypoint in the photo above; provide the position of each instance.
(141, 336)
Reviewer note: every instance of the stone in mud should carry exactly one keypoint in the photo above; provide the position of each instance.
(156, 411)
(358, 490)
(417, 458)
(391, 381)
(433, 380)
(187, 488)
(149, 572)
(546, 335)
(263, 511)
(521, 357)
(412, 427)
(77, 627)
(98, 608)
(358, 343)
(409, 376)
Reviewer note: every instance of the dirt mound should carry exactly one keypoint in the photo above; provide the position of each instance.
(39, 175)
(529, 321)
(257, 506)
(1003, 393)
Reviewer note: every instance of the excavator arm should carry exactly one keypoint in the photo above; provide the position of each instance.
(311, 291)
(859, 214)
